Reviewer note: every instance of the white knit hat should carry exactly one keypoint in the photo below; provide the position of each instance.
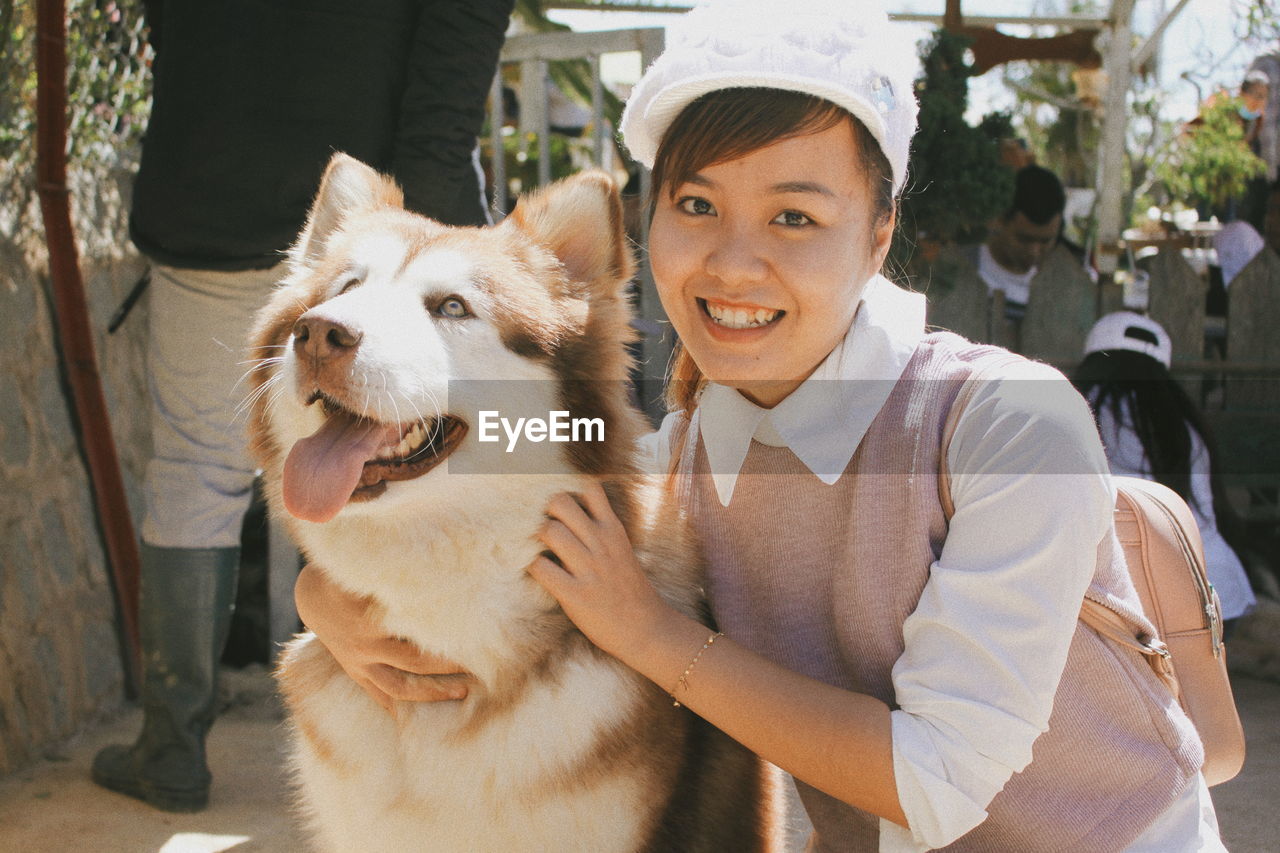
(842, 50)
(1125, 330)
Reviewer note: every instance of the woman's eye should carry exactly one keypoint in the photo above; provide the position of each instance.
(792, 217)
(696, 206)
(454, 307)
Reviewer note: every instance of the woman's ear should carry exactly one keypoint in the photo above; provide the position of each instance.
(882, 237)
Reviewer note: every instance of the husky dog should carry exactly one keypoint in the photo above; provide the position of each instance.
(368, 417)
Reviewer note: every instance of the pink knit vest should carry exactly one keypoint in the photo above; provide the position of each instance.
(820, 579)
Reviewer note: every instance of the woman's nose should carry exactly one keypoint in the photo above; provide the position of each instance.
(735, 256)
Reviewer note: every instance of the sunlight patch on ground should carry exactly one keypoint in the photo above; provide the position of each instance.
(202, 842)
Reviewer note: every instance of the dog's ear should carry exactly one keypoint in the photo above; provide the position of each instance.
(580, 220)
(348, 187)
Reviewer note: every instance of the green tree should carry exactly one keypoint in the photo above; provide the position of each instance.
(1257, 21)
(1210, 162)
(957, 181)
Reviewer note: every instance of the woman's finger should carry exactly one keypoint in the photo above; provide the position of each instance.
(597, 504)
(376, 694)
(575, 556)
(565, 508)
(551, 575)
(402, 654)
(407, 687)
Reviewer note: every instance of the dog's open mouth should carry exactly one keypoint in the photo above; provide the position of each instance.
(352, 458)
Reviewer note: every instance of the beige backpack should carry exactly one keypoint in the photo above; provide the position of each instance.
(1165, 556)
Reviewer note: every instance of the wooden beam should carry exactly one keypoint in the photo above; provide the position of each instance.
(1056, 21)
(1153, 41)
(1112, 161)
(991, 48)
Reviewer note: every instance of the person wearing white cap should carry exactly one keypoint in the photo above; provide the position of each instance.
(923, 675)
(1152, 429)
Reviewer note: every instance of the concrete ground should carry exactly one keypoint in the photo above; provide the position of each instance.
(54, 808)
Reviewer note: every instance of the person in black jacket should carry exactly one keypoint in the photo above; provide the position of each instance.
(251, 98)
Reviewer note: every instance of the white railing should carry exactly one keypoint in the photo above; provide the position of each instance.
(532, 52)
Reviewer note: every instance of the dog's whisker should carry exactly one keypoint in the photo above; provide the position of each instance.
(391, 398)
(436, 424)
(414, 406)
(257, 364)
(435, 403)
(275, 395)
(247, 403)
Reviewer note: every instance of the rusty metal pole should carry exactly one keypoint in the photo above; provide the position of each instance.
(75, 335)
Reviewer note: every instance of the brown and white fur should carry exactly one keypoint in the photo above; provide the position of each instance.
(558, 746)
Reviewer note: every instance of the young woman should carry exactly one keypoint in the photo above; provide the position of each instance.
(1151, 429)
(920, 671)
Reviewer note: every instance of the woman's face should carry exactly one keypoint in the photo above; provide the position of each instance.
(760, 261)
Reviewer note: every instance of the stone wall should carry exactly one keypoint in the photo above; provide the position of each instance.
(59, 646)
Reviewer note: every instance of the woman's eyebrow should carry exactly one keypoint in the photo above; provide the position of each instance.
(802, 187)
(782, 188)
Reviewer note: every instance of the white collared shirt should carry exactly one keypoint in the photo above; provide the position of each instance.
(822, 421)
(969, 712)
(1016, 285)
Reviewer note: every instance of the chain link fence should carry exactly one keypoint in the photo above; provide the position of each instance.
(59, 651)
(109, 89)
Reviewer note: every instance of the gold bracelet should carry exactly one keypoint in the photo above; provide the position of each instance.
(684, 678)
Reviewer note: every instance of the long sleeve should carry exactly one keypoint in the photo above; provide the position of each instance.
(988, 641)
(451, 66)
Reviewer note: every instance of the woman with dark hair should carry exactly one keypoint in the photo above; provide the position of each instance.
(1151, 429)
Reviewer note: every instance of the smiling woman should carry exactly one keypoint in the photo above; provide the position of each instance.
(763, 237)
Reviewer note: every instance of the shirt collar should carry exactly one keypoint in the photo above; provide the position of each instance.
(822, 421)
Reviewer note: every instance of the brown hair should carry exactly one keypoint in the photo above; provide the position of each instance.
(730, 123)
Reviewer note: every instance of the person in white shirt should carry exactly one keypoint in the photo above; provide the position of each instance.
(1151, 429)
(1018, 241)
(921, 671)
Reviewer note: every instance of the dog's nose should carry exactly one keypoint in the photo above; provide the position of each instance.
(321, 338)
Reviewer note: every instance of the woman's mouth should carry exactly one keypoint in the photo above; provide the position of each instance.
(737, 317)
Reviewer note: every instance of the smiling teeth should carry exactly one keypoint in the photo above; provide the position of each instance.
(741, 318)
(413, 438)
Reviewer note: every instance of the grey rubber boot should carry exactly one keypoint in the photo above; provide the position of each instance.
(188, 595)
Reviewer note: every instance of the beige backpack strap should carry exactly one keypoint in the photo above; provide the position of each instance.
(1112, 625)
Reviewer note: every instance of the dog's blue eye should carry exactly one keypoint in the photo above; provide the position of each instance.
(453, 307)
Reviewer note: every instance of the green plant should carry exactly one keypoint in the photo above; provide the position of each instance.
(108, 87)
(521, 152)
(1210, 163)
(957, 182)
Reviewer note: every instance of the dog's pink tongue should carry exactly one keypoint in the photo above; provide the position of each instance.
(323, 469)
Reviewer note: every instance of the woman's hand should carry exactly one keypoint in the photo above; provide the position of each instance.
(388, 668)
(598, 582)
